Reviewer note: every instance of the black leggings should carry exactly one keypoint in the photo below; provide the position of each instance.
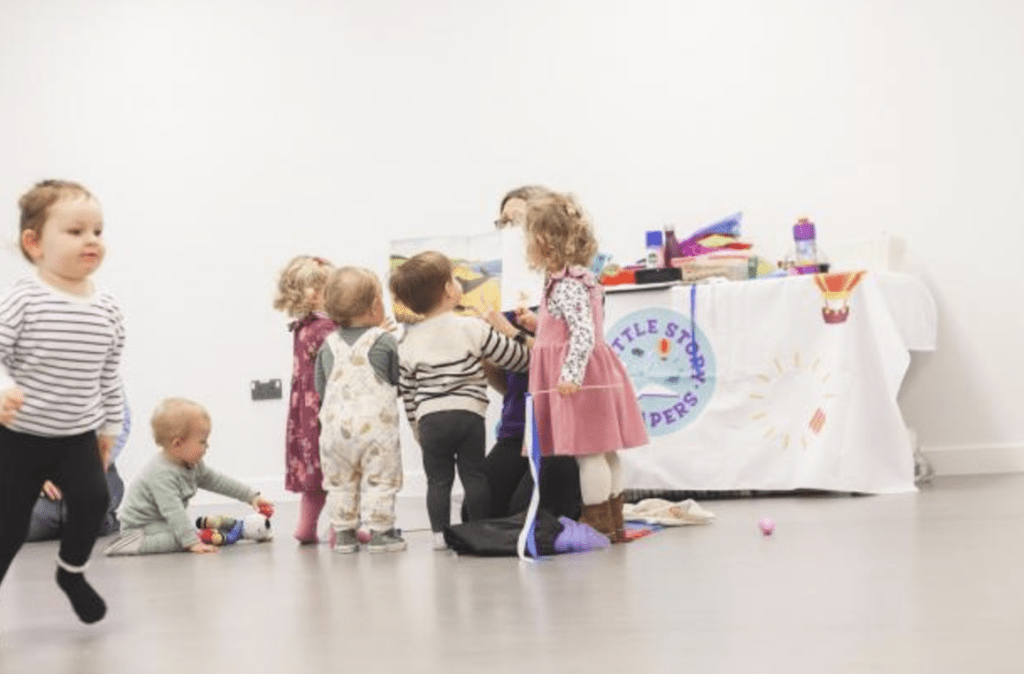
(508, 474)
(73, 464)
(450, 439)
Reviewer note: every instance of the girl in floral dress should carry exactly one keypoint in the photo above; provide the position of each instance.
(300, 294)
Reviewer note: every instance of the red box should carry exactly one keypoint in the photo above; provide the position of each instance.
(621, 277)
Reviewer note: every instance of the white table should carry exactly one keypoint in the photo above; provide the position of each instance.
(793, 386)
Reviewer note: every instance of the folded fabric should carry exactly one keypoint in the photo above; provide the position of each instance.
(660, 511)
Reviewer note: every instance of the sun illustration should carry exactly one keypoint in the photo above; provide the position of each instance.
(792, 398)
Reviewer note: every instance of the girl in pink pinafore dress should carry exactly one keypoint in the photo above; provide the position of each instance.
(301, 295)
(584, 402)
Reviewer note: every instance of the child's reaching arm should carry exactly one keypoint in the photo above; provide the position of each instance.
(570, 300)
(211, 480)
(503, 350)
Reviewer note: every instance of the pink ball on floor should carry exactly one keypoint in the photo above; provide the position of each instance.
(767, 526)
(363, 535)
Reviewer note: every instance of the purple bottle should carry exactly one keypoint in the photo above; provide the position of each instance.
(806, 258)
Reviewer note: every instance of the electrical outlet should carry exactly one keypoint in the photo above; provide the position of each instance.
(266, 390)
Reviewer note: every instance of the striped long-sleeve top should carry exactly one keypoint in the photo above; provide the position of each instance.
(64, 352)
(439, 364)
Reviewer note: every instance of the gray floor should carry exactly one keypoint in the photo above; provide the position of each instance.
(926, 582)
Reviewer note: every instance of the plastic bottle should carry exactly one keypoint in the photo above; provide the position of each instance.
(805, 260)
(671, 245)
(655, 250)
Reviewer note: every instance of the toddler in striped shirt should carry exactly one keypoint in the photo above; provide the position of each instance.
(443, 385)
(61, 401)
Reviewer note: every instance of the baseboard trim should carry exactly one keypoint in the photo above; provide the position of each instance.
(957, 460)
(975, 459)
(414, 486)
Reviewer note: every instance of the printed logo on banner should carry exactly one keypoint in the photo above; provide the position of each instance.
(671, 365)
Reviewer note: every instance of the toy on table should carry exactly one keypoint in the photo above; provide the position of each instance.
(717, 251)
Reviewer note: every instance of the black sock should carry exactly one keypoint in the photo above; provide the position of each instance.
(89, 606)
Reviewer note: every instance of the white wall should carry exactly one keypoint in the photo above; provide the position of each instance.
(224, 136)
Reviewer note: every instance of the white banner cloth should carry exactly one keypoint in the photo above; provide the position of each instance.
(790, 383)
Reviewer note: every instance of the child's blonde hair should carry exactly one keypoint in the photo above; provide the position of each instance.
(176, 418)
(35, 205)
(300, 285)
(559, 233)
(419, 282)
(350, 293)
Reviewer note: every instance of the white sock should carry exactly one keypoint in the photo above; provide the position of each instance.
(439, 543)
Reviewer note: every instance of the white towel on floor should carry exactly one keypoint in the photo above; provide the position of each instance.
(660, 511)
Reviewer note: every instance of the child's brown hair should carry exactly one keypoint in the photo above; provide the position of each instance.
(420, 281)
(35, 204)
(350, 293)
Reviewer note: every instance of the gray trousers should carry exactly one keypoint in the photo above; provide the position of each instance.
(153, 539)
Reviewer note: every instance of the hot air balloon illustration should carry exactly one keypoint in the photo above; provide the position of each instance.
(836, 288)
(664, 346)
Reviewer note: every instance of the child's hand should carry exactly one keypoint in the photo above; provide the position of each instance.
(11, 401)
(106, 445)
(52, 491)
(568, 388)
(526, 319)
(263, 506)
(497, 320)
(204, 547)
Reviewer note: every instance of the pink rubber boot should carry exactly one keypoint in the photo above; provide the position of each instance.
(310, 505)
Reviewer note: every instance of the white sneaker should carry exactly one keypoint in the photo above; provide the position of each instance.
(439, 543)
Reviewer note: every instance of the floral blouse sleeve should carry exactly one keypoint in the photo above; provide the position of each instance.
(570, 301)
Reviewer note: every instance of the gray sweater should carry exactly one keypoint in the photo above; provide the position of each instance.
(160, 494)
(383, 357)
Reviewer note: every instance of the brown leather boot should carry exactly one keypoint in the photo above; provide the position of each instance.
(599, 517)
(618, 524)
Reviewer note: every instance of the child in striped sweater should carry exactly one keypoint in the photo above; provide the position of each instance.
(61, 401)
(443, 385)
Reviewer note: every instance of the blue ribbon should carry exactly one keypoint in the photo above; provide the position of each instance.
(695, 359)
(528, 536)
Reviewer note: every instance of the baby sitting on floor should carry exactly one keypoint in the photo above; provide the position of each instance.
(154, 517)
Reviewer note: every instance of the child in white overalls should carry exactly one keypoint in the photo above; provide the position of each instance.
(356, 375)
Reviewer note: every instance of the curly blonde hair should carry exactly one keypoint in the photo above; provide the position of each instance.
(558, 233)
(35, 205)
(177, 418)
(300, 287)
(350, 293)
